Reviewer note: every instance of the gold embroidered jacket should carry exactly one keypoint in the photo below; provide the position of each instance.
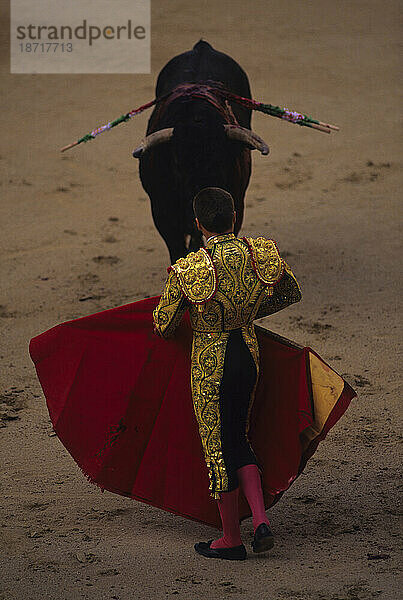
(225, 286)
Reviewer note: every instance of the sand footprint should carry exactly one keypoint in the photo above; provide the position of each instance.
(106, 260)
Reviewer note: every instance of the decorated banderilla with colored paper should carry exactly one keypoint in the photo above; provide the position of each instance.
(268, 109)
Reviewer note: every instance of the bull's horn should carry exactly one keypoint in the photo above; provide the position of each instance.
(247, 137)
(162, 135)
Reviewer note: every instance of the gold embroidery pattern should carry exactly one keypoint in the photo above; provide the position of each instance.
(237, 294)
(208, 352)
(284, 293)
(238, 287)
(171, 307)
(197, 276)
(231, 299)
(266, 259)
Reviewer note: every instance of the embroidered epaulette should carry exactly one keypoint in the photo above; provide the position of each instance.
(266, 260)
(197, 276)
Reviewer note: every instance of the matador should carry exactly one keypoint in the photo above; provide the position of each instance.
(225, 287)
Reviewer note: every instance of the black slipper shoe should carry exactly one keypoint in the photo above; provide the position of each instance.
(263, 539)
(234, 553)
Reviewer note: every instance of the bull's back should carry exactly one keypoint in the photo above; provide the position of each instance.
(204, 63)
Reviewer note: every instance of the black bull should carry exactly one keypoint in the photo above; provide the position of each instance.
(196, 138)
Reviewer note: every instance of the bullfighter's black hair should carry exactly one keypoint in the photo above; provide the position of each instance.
(214, 208)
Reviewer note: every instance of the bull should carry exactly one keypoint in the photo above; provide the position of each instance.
(196, 137)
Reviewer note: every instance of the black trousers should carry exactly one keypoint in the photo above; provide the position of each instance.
(236, 387)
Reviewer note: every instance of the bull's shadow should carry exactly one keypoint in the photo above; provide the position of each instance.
(196, 137)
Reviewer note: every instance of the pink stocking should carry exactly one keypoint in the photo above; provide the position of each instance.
(228, 507)
(249, 478)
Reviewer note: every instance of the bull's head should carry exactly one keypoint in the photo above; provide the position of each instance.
(234, 132)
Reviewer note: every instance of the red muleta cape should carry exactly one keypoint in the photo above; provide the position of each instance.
(119, 400)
